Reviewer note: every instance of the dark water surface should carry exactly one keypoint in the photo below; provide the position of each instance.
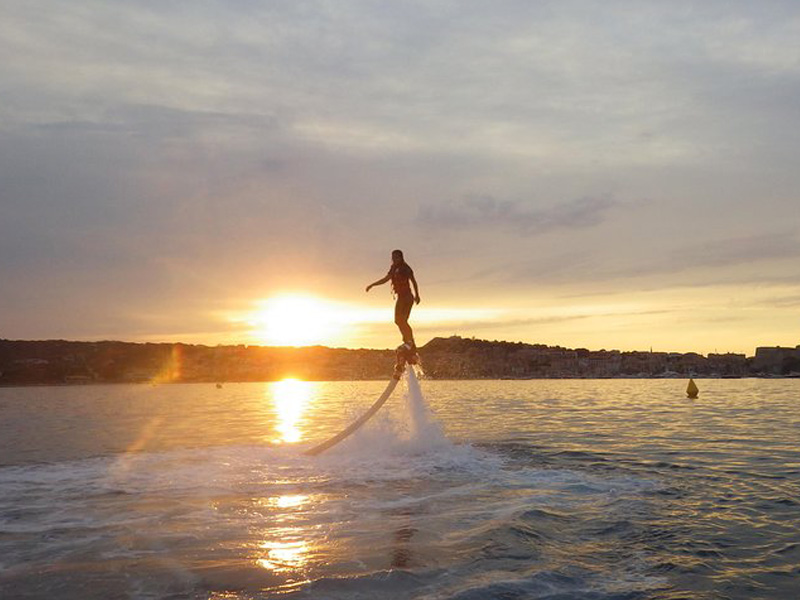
(570, 489)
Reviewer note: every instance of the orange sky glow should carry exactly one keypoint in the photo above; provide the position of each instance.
(591, 179)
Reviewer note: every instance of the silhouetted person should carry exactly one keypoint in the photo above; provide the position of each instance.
(401, 276)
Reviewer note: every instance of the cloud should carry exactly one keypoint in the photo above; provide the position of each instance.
(528, 322)
(499, 324)
(485, 212)
(159, 122)
(756, 259)
(714, 260)
(153, 152)
(739, 250)
(785, 301)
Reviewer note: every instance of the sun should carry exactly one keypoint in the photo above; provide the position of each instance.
(302, 319)
(298, 320)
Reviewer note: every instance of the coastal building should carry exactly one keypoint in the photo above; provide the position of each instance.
(776, 359)
(728, 364)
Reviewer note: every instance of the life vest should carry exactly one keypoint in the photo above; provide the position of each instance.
(401, 275)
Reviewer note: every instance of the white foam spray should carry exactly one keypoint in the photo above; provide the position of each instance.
(424, 431)
(399, 429)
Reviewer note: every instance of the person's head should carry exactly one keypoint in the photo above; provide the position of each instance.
(397, 257)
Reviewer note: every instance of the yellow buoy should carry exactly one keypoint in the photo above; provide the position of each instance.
(692, 390)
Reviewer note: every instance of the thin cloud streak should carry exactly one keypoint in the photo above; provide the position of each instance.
(708, 263)
(482, 212)
(498, 324)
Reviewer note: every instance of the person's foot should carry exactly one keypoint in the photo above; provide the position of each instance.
(411, 353)
(402, 353)
(407, 353)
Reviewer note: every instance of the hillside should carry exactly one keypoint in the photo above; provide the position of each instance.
(59, 361)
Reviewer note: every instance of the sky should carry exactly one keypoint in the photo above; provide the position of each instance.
(611, 174)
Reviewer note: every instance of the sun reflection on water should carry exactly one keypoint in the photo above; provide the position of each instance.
(284, 556)
(290, 399)
(290, 501)
(286, 550)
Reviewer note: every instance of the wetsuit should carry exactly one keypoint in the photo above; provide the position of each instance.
(401, 286)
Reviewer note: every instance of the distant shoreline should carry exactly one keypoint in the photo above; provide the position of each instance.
(229, 383)
(60, 362)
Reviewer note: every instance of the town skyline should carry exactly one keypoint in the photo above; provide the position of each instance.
(60, 361)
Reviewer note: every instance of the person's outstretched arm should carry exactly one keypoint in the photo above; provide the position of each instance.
(379, 282)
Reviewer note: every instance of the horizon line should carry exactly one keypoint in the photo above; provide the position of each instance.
(251, 345)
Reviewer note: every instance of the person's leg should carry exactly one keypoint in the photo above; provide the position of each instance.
(402, 310)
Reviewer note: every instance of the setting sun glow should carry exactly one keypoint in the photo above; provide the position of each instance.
(299, 320)
(302, 319)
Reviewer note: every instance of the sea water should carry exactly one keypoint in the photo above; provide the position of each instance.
(569, 489)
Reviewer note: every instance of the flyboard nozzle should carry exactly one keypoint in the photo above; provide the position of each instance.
(692, 391)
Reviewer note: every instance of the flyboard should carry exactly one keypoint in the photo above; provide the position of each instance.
(404, 356)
